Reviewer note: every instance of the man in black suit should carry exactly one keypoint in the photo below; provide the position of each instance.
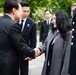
(45, 25)
(11, 41)
(29, 34)
(72, 64)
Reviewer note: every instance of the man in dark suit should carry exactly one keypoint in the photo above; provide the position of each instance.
(45, 25)
(29, 34)
(72, 64)
(11, 41)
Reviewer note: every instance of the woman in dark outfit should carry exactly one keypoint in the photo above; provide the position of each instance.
(57, 45)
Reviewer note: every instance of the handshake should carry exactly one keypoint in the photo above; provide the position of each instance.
(37, 53)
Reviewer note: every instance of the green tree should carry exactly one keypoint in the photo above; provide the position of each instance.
(1, 5)
(64, 5)
(38, 7)
(35, 4)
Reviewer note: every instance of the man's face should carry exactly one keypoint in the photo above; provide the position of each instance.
(26, 12)
(72, 9)
(18, 13)
(48, 15)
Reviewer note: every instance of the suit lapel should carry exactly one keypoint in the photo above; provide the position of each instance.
(51, 36)
(46, 26)
(26, 26)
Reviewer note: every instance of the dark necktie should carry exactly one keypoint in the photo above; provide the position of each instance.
(22, 23)
(48, 24)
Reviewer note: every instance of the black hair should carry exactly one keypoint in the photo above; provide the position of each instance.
(63, 23)
(48, 10)
(9, 5)
(24, 3)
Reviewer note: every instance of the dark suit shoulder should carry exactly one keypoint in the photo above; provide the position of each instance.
(43, 21)
(30, 20)
(7, 19)
(6, 22)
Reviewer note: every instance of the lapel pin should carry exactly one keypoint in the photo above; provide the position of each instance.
(28, 25)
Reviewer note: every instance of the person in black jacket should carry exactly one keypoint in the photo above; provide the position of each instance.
(45, 24)
(11, 41)
(72, 64)
(29, 34)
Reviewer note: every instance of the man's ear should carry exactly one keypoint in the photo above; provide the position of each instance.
(14, 11)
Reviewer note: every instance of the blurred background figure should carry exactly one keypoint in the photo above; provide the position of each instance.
(45, 25)
(72, 64)
(72, 10)
(29, 34)
(1, 14)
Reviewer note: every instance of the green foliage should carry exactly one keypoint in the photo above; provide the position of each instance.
(1, 3)
(1, 10)
(38, 7)
(61, 5)
(37, 10)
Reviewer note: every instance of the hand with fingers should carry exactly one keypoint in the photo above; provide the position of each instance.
(37, 53)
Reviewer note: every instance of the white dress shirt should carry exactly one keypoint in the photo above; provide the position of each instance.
(23, 24)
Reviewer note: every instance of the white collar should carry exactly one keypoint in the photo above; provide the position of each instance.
(25, 19)
(48, 19)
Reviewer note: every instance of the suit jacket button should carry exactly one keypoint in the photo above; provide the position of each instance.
(72, 36)
(73, 29)
(71, 43)
(73, 22)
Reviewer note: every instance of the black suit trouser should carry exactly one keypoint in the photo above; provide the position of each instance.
(24, 67)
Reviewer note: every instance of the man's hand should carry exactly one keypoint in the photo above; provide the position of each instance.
(40, 43)
(37, 53)
(28, 58)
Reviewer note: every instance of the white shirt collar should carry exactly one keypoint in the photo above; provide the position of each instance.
(48, 19)
(25, 19)
(23, 23)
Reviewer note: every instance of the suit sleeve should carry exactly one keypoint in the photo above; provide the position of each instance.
(33, 36)
(19, 42)
(41, 32)
(43, 48)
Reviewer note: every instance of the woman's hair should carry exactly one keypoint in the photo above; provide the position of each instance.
(63, 23)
